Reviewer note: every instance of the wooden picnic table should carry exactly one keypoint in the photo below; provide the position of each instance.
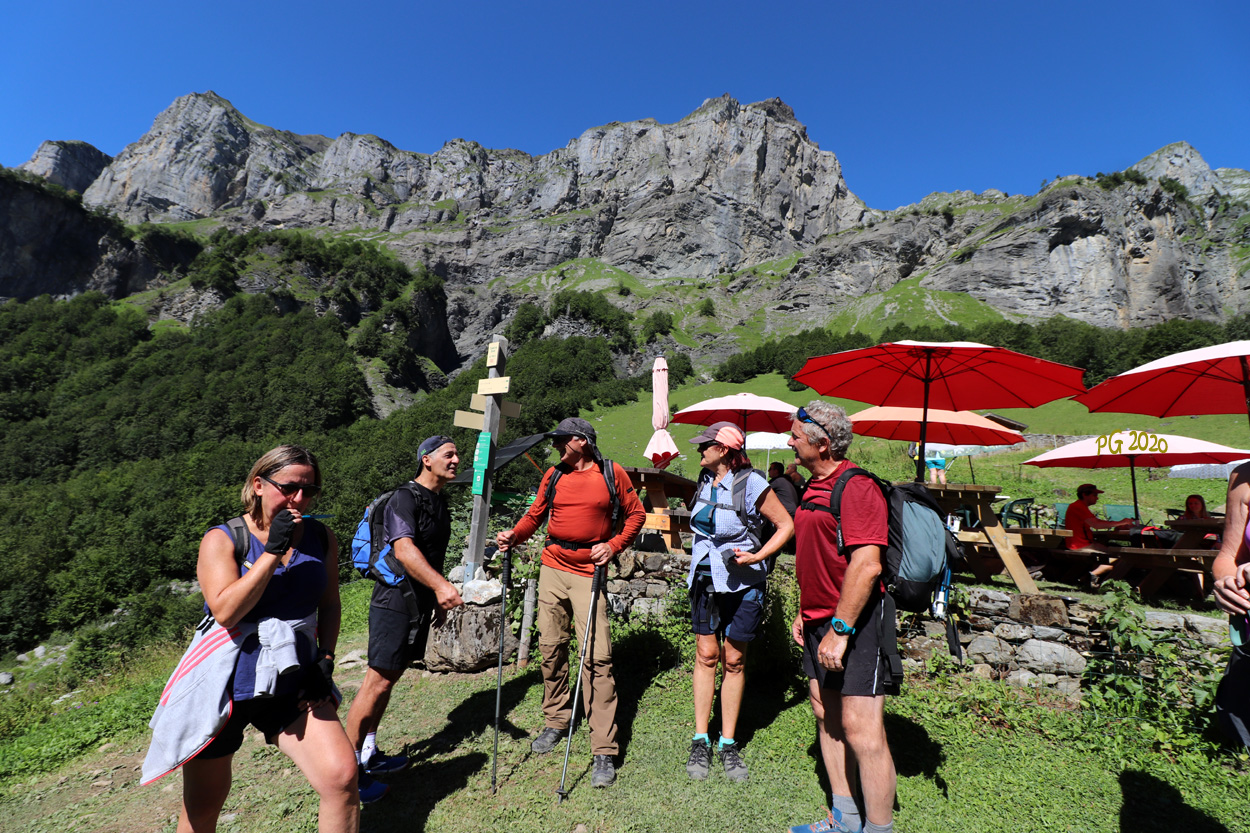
(660, 485)
(1195, 530)
(990, 537)
(1161, 564)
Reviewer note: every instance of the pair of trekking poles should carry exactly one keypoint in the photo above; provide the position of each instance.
(596, 585)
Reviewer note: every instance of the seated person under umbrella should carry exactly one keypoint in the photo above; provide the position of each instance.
(1081, 522)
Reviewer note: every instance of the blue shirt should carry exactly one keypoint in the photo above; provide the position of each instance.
(715, 548)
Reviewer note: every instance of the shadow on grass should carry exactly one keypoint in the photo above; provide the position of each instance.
(1150, 803)
(476, 715)
(637, 659)
(416, 791)
(914, 752)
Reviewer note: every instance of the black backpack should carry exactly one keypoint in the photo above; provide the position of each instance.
(921, 549)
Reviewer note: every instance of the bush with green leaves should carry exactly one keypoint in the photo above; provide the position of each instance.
(658, 323)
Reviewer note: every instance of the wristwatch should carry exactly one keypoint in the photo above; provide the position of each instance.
(841, 627)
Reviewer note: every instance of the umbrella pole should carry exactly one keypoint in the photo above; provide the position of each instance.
(1132, 473)
(971, 472)
(924, 419)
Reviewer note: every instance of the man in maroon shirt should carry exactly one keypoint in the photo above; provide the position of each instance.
(845, 615)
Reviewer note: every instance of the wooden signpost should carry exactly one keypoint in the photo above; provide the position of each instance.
(490, 422)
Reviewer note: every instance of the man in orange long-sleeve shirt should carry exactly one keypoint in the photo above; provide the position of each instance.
(580, 537)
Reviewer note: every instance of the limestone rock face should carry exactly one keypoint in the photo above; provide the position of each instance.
(72, 165)
(50, 245)
(200, 156)
(1180, 161)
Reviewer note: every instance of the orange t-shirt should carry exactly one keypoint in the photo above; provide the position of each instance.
(1075, 520)
(582, 513)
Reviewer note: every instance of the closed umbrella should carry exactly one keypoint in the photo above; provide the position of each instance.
(661, 450)
(953, 375)
(748, 411)
(1136, 448)
(1210, 380)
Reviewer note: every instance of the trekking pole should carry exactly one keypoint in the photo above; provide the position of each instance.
(503, 623)
(595, 584)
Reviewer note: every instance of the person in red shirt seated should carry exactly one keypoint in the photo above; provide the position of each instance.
(1081, 522)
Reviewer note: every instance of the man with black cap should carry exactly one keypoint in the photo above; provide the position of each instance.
(582, 533)
(417, 525)
(1082, 522)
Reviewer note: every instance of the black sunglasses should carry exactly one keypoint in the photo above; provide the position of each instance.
(804, 416)
(310, 490)
(705, 446)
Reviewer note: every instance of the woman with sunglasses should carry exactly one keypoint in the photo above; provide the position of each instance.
(263, 654)
(726, 580)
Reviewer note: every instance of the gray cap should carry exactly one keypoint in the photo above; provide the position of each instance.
(573, 427)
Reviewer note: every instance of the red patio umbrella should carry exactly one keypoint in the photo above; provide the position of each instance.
(1136, 448)
(953, 427)
(748, 411)
(1210, 380)
(953, 375)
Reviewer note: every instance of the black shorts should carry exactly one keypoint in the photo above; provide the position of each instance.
(866, 667)
(268, 714)
(1232, 699)
(395, 640)
(736, 615)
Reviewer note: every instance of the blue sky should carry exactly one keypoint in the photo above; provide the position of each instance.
(913, 97)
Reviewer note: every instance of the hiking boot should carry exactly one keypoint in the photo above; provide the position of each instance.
(700, 761)
(546, 740)
(830, 824)
(370, 790)
(604, 772)
(735, 767)
(381, 763)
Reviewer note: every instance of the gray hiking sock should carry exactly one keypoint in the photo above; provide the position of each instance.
(879, 828)
(846, 805)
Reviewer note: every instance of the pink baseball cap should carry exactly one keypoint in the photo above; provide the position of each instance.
(724, 433)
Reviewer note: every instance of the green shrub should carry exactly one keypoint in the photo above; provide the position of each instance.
(707, 309)
(1174, 187)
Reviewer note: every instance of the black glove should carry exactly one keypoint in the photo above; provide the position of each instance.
(318, 678)
(281, 530)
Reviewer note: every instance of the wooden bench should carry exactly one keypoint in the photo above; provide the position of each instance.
(1161, 563)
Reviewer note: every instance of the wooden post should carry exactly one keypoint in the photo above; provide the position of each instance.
(527, 621)
(492, 390)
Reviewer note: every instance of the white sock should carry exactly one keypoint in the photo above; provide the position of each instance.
(369, 747)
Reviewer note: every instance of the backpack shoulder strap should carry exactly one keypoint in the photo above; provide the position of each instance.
(557, 472)
(609, 478)
(239, 532)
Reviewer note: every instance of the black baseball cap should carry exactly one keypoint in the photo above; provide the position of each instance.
(573, 427)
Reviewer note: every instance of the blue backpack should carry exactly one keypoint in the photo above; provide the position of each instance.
(371, 555)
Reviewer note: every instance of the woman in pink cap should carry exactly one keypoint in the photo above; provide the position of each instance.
(728, 569)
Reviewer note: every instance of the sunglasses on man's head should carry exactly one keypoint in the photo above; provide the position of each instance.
(804, 416)
(310, 490)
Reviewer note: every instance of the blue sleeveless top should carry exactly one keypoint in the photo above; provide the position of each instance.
(294, 591)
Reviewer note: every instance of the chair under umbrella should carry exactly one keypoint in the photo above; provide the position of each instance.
(1209, 380)
(954, 375)
(748, 411)
(1136, 448)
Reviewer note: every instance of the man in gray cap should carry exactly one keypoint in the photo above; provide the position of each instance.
(586, 527)
(417, 525)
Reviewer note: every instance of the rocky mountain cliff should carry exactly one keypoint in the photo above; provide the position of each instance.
(733, 202)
